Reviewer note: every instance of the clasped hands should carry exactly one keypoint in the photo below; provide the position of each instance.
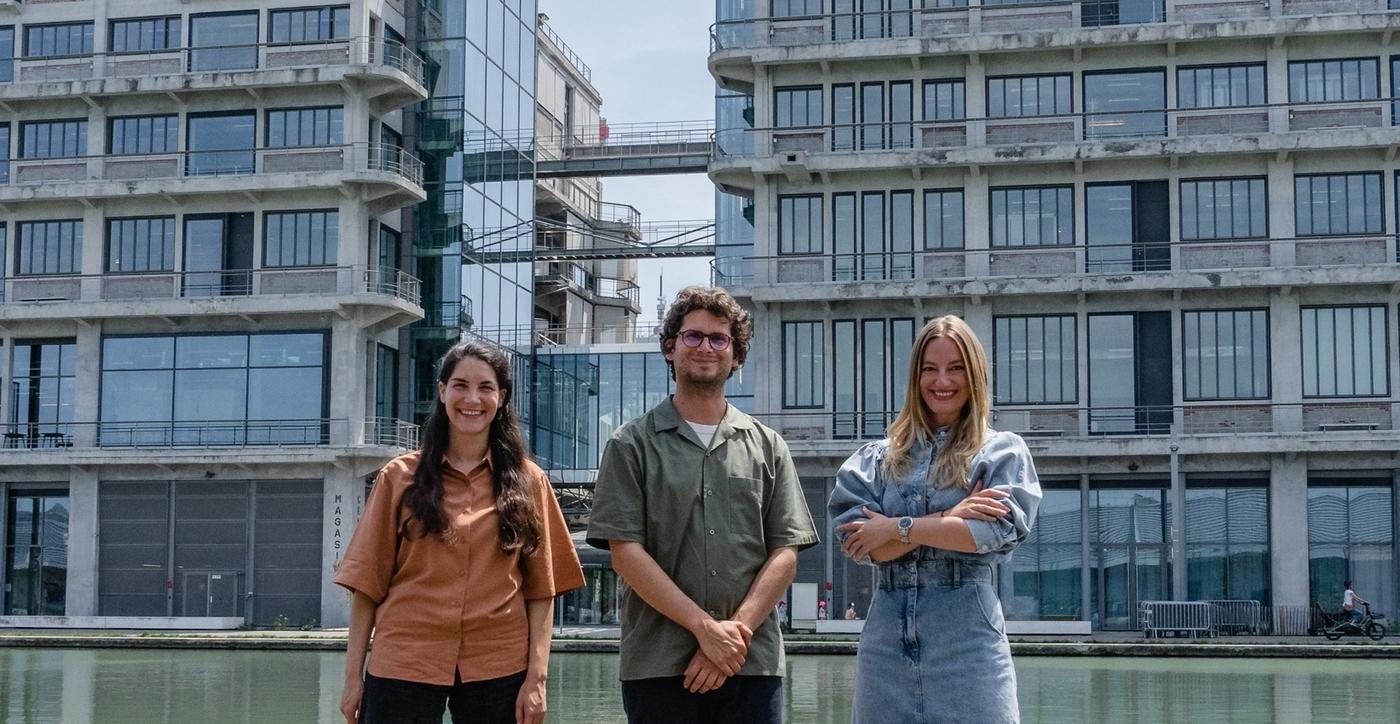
(868, 535)
(723, 647)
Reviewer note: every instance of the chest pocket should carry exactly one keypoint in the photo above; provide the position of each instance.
(743, 506)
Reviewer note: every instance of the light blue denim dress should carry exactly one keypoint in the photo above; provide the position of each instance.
(934, 646)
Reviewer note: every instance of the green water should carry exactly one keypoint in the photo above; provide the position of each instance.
(222, 687)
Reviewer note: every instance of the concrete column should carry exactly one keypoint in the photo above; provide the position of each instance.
(343, 493)
(1085, 575)
(1282, 222)
(1276, 78)
(1285, 329)
(347, 403)
(975, 97)
(1177, 540)
(81, 593)
(977, 226)
(1288, 529)
(978, 315)
(353, 248)
(87, 383)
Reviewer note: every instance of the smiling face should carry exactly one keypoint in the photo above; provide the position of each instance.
(702, 366)
(471, 395)
(943, 381)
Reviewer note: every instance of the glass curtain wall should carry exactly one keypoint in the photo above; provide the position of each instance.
(1045, 577)
(36, 553)
(1128, 550)
(1227, 542)
(1351, 536)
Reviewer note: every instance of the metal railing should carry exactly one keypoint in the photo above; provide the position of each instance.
(952, 18)
(1354, 417)
(1059, 261)
(1214, 618)
(380, 52)
(624, 331)
(322, 432)
(623, 214)
(625, 139)
(345, 158)
(448, 315)
(1062, 128)
(566, 51)
(297, 281)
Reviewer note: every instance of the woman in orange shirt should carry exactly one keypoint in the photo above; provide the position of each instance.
(455, 565)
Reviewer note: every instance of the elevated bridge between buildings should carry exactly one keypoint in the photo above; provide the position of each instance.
(563, 242)
(639, 149)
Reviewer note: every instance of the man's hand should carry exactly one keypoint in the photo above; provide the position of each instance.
(982, 504)
(702, 675)
(725, 643)
(867, 535)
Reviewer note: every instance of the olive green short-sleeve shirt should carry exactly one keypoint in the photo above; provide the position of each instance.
(709, 515)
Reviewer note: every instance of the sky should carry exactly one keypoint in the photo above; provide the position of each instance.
(648, 60)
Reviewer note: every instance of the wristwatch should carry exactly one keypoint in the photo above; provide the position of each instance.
(905, 525)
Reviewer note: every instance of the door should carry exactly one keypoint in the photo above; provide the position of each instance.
(1127, 227)
(218, 255)
(36, 554)
(1130, 382)
(210, 594)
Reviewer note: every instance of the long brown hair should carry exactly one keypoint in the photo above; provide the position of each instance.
(915, 421)
(515, 504)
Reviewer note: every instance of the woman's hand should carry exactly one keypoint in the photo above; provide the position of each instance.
(350, 699)
(981, 504)
(867, 535)
(530, 703)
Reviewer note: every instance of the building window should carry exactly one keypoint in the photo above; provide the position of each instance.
(305, 127)
(1036, 216)
(1130, 373)
(1229, 208)
(141, 244)
(945, 100)
(795, 8)
(42, 379)
(309, 24)
(50, 247)
(143, 134)
(843, 117)
(386, 382)
(1220, 86)
(36, 553)
(1226, 355)
(1035, 360)
(803, 367)
(220, 143)
(1045, 581)
(799, 224)
(222, 389)
(1125, 104)
(843, 236)
(943, 219)
(1227, 544)
(224, 41)
(870, 374)
(300, 238)
(1338, 204)
(57, 40)
(1351, 537)
(1031, 95)
(53, 139)
(144, 34)
(4, 155)
(1333, 80)
(7, 53)
(797, 107)
(1345, 352)
(1097, 13)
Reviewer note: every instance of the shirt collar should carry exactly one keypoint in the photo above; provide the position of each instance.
(667, 417)
(485, 460)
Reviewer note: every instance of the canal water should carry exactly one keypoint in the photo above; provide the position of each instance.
(112, 686)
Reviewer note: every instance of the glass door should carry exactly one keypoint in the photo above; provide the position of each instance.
(218, 255)
(1128, 575)
(36, 554)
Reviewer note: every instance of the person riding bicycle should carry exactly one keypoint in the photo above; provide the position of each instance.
(1349, 601)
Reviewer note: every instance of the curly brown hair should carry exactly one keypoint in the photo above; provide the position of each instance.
(716, 301)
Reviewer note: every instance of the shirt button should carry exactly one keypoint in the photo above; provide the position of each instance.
(707, 492)
(712, 531)
(714, 573)
(714, 613)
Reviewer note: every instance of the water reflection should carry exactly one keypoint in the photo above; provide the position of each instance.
(224, 687)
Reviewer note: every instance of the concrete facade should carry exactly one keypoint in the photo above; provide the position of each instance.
(263, 482)
(826, 265)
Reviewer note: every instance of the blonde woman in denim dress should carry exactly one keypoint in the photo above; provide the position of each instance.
(933, 507)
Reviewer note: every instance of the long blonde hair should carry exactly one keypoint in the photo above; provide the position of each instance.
(915, 421)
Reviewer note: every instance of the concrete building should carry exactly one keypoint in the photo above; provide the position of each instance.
(200, 214)
(1171, 222)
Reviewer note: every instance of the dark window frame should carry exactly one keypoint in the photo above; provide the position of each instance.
(167, 253)
(1186, 360)
(820, 232)
(1181, 206)
(331, 126)
(330, 247)
(991, 216)
(275, 13)
(1021, 78)
(28, 127)
(170, 22)
(959, 99)
(1298, 204)
(1361, 86)
(1212, 67)
(998, 344)
(962, 215)
(74, 251)
(816, 394)
(85, 41)
(1302, 356)
(171, 134)
(808, 92)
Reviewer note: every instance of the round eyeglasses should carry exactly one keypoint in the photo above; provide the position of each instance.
(692, 339)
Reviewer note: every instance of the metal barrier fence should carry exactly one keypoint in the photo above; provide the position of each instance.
(1213, 618)
(1156, 618)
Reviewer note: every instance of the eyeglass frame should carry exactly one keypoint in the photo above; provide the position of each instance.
(701, 337)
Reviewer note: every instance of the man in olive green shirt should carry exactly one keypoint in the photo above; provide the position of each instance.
(704, 514)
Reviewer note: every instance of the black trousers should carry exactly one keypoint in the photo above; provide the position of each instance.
(394, 701)
(741, 700)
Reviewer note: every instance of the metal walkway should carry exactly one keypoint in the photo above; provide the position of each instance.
(639, 149)
(658, 240)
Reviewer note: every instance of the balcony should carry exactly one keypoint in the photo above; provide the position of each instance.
(1070, 431)
(390, 176)
(801, 152)
(114, 443)
(1097, 268)
(384, 71)
(979, 26)
(395, 294)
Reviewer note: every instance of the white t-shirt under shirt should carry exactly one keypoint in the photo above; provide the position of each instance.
(706, 433)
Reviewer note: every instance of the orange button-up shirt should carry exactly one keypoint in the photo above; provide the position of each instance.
(455, 602)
